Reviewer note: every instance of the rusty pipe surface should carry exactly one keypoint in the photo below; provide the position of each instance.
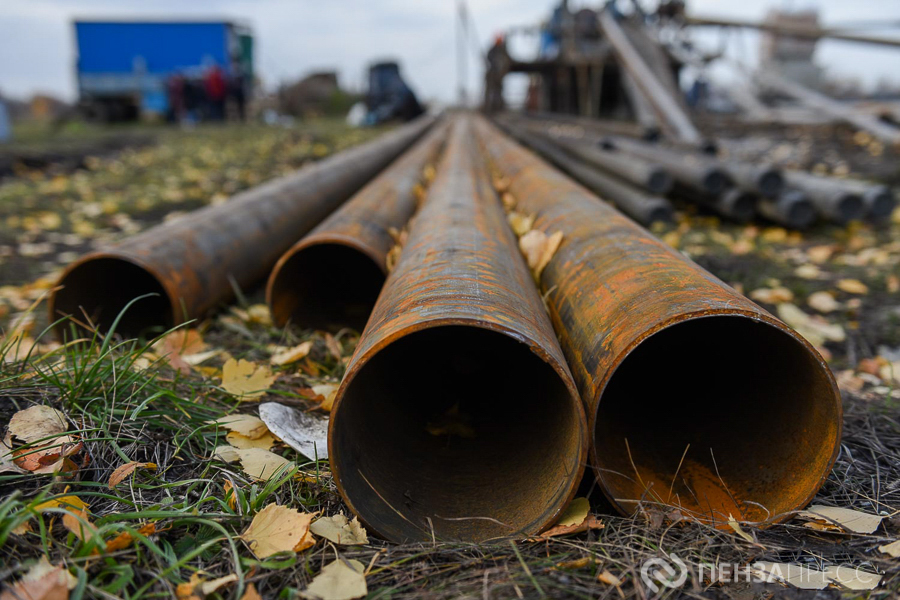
(640, 206)
(332, 277)
(833, 201)
(696, 396)
(191, 263)
(791, 209)
(458, 417)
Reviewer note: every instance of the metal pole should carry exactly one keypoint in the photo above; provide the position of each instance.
(458, 387)
(791, 208)
(686, 381)
(867, 122)
(668, 109)
(834, 202)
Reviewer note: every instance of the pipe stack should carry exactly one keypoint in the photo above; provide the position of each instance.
(475, 398)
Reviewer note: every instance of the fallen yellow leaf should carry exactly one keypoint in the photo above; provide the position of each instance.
(340, 580)
(328, 391)
(539, 249)
(521, 224)
(339, 530)
(277, 529)
(43, 581)
(852, 286)
(262, 464)
(119, 475)
(35, 423)
(849, 519)
(245, 379)
(246, 425)
(243, 442)
(892, 549)
(291, 355)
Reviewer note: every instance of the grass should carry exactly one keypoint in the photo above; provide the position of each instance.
(126, 408)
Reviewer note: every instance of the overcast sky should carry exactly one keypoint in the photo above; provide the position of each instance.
(37, 49)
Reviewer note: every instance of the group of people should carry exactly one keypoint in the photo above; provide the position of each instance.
(194, 99)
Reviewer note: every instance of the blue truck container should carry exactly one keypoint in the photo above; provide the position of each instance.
(123, 67)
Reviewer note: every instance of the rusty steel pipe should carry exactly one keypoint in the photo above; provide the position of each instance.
(192, 263)
(458, 418)
(791, 209)
(640, 206)
(331, 278)
(696, 396)
(833, 201)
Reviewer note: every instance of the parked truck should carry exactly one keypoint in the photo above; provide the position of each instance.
(125, 68)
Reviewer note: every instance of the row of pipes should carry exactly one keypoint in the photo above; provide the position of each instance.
(475, 399)
(639, 177)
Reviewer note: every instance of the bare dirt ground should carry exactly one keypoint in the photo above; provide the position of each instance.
(183, 516)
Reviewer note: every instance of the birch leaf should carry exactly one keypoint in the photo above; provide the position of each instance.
(245, 379)
(340, 580)
(340, 530)
(277, 529)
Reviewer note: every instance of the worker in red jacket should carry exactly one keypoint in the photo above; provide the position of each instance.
(216, 89)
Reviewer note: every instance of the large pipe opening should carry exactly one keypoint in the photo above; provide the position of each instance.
(721, 416)
(459, 432)
(326, 286)
(97, 290)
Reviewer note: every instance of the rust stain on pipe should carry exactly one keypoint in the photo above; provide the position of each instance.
(696, 396)
(458, 418)
(190, 263)
(332, 277)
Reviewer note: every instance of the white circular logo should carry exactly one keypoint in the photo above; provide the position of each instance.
(663, 572)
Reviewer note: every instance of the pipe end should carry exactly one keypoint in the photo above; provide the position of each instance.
(97, 288)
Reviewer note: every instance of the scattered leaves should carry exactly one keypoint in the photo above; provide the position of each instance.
(575, 519)
(815, 329)
(823, 302)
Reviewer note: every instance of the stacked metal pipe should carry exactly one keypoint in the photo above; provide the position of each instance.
(737, 190)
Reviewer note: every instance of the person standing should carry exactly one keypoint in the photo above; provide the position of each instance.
(215, 88)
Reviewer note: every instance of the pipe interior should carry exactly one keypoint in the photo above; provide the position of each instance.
(97, 290)
(327, 286)
(718, 415)
(459, 430)
(802, 213)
